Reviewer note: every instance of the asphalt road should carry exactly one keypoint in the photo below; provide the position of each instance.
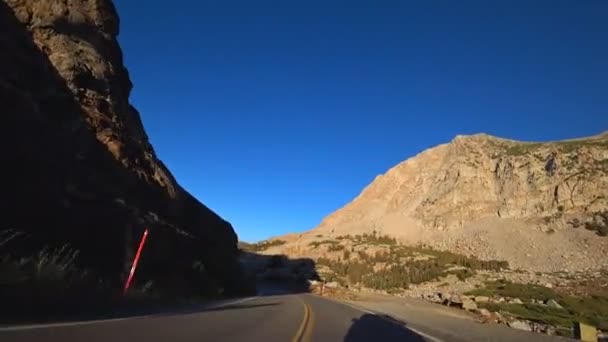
(289, 317)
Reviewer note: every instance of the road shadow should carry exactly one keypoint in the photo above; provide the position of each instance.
(380, 328)
(278, 274)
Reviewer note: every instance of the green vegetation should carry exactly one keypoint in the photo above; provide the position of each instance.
(57, 281)
(260, 246)
(570, 162)
(402, 265)
(592, 309)
(570, 146)
(346, 254)
(462, 274)
(524, 292)
(535, 313)
(521, 149)
(49, 266)
(539, 157)
(335, 248)
(316, 244)
(364, 239)
(370, 239)
(49, 281)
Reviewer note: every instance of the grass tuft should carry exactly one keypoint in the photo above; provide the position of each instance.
(403, 265)
(592, 309)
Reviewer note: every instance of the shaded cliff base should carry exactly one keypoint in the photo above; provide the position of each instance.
(53, 285)
(277, 273)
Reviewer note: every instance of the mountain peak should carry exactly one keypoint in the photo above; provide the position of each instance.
(479, 188)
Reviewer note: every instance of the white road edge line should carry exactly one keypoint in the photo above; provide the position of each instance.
(423, 334)
(101, 321)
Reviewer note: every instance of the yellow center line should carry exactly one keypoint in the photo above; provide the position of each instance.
(310, 326)
(300, 333)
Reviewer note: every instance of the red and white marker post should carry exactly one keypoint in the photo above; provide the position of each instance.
(134, 266)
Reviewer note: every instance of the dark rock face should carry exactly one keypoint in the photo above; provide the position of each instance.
(77, 165)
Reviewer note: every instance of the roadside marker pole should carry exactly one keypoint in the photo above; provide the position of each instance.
(134, 266)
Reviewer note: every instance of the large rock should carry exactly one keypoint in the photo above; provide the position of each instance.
(481, 175)
(332, 284)
(78, 168)
(469, 304)
(486, 315)
(313, 282)
(515, 301)
(520, 325)
(552, 303)
(482, 299)
(489, 197)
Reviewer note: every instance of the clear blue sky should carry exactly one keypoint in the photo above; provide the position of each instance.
(275, 114)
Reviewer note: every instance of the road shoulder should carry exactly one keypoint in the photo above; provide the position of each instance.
(438, 323)
(208, 306)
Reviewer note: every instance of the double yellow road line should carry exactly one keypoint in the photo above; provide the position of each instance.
(304, 332)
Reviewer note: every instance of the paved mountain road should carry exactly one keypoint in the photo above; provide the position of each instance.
(289, 317)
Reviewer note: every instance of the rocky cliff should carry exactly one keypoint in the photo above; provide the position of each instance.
(493, 198)
(480, 176)
(78, 167)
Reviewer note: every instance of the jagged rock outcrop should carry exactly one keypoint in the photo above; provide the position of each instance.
(482, 176)
(77, 164)
(491, 197)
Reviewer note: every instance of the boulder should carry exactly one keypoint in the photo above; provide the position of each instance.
(456, 299)
(520, 325)
(552, 303)
(435, 298)
(444, 295)
(499, 317)
(314, 282)
(486, 315)
(469, 304)
(482, 299)
(515, 301)
(331, 284)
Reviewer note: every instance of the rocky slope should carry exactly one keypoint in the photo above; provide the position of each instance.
(489, 197)
(78, 167)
